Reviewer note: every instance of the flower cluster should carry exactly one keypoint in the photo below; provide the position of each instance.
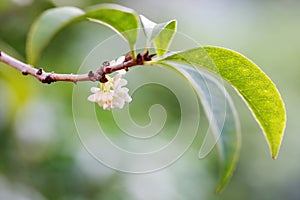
(111, 94)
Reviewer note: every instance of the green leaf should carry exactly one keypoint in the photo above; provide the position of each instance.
(222, 115)
(162, 34)
(148, 27)
(259, 92)
(165, 37)
(46, 26)
(121, 19)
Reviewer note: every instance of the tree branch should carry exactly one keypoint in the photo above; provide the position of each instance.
(50, 77)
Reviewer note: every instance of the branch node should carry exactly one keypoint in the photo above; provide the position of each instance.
(106, 63)
(48, 79)
(107, 70)
(39, 71)
(91, 74)
(103, 79)
(24, 73)
(147, 57)
(139, 59)
(128, 57)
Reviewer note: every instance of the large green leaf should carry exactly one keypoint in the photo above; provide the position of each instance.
(46, 26)
(122, 19)
(161, 34)
(259, 92)
(222, 115)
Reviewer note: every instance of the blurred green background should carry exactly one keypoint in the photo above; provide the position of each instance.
(41, 156)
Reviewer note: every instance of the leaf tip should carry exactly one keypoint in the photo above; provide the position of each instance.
(275, 155)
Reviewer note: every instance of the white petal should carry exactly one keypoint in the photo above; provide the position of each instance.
(103, 97)
(92, 98)
(107, 86)
(106, 107)
(128, 98)
(110, 96)
(117, 98)
(120, 83)
(100, 104)
(123, 90)
(120, 59)
(118, 103)
(98, 96)
(113, 62)
(117, 77)
(122, 93)
(122, 71)
(95, 89)
(125, 97)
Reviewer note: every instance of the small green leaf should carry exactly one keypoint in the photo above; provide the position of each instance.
(165, 37)
(122, 19)
(148, 27)
(220, 111)
(162, 34)
(259, 92)
(46, 26)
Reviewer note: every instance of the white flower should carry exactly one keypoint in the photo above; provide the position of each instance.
(118, 61)
(111, 94)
